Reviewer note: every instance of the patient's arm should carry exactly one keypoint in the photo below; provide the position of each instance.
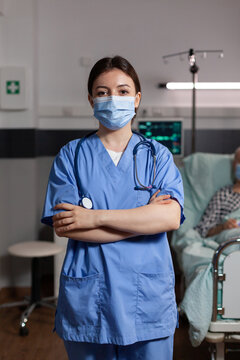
(229, 224)
(215, 230)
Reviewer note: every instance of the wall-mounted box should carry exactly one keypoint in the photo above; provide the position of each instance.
(2, 8)
(13, 88)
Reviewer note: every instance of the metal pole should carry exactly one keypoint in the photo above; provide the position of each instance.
(36, 281)
(194, 70)
(194, 111)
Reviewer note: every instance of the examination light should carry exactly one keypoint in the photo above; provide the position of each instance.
(201, 85)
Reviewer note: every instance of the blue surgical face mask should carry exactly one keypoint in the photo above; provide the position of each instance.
(237, 172)
(114, 112)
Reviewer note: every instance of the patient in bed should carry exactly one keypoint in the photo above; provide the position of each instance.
(224, 201)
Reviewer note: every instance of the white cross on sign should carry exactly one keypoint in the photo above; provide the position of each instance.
(13, 87)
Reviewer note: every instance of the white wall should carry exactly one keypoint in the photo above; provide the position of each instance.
(142, 31)
(17, 49)
(50, 37)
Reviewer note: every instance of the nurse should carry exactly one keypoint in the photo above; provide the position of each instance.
(116, 297)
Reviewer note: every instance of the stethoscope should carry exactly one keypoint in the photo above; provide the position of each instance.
(85, 201)
(151, 147)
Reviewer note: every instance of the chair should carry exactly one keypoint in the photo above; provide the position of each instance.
(34, 250)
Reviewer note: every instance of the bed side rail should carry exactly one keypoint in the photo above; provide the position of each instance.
(217, 276)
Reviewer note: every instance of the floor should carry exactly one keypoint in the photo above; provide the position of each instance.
(43, 344)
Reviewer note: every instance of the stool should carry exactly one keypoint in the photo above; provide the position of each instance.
(34, 250)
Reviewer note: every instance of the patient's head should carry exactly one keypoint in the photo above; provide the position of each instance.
(236, 165)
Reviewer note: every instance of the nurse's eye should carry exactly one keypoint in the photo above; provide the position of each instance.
(124, 92)
(102, 93)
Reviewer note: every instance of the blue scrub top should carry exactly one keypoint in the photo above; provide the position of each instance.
(120, 292)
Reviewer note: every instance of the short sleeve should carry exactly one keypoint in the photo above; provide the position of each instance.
(62, 186)
(170, 180)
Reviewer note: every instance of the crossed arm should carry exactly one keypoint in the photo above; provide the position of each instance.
(102, 226)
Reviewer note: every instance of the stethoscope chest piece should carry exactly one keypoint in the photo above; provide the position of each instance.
(86, 203)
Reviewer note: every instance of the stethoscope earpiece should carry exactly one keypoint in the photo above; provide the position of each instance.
(144, 143)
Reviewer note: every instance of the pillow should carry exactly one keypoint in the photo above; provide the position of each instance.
(203, 174)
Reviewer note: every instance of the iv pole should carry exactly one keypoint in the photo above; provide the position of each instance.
(194, 71)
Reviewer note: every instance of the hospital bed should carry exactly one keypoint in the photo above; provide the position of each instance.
(210, 266)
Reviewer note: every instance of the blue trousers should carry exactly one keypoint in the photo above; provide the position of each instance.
(158, 349)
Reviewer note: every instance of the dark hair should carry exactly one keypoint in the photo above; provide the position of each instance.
(107, 64)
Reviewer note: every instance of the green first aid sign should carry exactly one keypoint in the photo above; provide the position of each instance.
(12, 87)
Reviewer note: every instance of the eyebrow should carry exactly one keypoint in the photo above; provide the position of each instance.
(123, 85)
(105, 87)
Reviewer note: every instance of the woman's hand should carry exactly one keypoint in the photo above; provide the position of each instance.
(160, 200)
(230, 224)
(74, 218)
